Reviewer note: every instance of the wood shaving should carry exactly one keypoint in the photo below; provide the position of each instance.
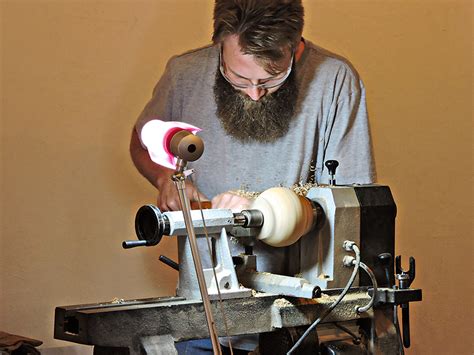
(117, 300)
(251, 195)
(282, 302)
(302, 189)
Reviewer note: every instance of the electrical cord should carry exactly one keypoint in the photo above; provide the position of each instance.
(355, 338)
(374, 285)
(348, 246)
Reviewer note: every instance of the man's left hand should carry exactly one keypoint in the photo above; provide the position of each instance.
(232, 201)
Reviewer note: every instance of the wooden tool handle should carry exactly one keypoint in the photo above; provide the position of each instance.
(205, 205)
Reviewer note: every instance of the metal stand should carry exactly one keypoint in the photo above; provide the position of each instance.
(179, 179)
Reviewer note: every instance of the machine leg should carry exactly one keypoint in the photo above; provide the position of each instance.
(110, 350)
(381, 334)
(151, 345)
(158, 345)
(280, 341)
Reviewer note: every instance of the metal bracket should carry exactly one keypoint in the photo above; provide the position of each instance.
(396, 296)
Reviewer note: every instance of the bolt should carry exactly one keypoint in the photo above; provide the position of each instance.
(348, 245)
(348, 260)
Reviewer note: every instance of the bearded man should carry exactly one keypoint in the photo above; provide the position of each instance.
(272, 106)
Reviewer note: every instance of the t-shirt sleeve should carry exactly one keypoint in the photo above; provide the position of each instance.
(347, 135)
(161, 103)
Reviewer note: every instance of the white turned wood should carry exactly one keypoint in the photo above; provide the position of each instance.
(286, 216)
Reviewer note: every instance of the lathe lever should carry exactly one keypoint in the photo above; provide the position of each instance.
(405, 278)
(128, 244)
(385, 259)
(171, 263)
(332, 166)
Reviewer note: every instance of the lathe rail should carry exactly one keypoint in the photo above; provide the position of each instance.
(125, 324)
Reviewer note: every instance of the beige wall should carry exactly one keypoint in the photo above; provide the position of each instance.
(75, 74)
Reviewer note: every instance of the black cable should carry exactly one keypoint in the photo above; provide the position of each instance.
(355, 338)
(374, 285)
(356, 263)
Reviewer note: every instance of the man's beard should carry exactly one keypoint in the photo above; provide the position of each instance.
(264, 120)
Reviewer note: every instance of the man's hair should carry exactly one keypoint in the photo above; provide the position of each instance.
(266, 29)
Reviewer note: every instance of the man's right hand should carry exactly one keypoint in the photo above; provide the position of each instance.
(160, 177)
(168, 199)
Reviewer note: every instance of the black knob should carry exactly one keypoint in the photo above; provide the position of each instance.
(386, 260)
(332, 166)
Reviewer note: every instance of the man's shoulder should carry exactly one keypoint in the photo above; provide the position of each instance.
(194, 57)
(328, 60)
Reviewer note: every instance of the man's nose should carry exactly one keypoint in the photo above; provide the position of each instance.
(255, 93)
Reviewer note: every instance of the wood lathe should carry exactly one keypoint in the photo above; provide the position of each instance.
(327, 306)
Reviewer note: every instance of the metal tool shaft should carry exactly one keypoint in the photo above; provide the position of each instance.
(179, 180)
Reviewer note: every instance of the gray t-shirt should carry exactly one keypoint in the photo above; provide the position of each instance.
(331, 123)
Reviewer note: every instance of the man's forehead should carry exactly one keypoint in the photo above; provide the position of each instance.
(231, 45)
(244, 65)
(235, 57)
